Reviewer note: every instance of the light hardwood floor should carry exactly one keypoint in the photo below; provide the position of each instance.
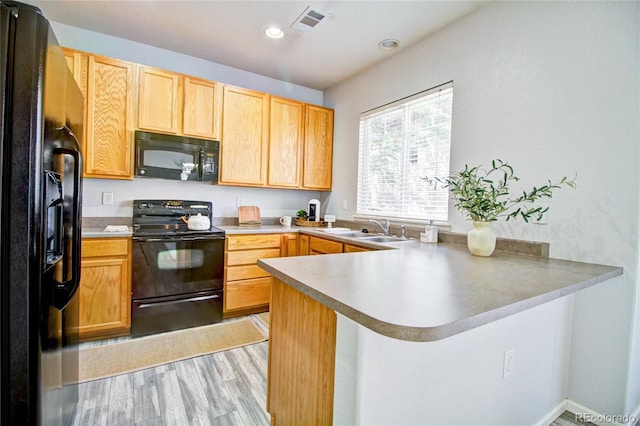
(224, 388)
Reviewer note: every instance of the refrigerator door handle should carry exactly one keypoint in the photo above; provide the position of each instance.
(65, 143)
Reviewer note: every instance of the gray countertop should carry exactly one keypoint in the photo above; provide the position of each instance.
(427, 292)
(99, 232)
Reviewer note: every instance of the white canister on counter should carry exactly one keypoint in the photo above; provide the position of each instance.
(430, 234)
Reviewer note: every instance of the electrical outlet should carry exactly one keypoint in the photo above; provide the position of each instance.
(507, 367)
(107, 198)
(238, 202)
(344, 204)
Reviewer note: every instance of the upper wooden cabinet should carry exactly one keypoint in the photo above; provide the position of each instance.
(158, 105)
(77, 62)
(108, 146)
(202, 109)
(245, 133)
(318, 148)
(286, 133)
(108, 89)
(300, 145)
(178, 104)
(265, 141)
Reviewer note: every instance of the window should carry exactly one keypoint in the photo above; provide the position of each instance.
(400, 144)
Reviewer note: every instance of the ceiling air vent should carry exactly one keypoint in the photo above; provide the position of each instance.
(308, 19)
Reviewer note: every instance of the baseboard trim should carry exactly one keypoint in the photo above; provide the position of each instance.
(600, 419)
(553, 414)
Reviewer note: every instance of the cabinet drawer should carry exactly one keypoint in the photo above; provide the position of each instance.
(244, 272)
(250, 257)
(99, 247)
(348, 248)
(247, 293)
(319, 245)
(245, 242)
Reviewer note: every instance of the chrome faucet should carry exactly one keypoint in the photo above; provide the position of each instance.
(385, 227)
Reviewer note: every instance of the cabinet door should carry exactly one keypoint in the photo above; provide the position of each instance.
(285, 142)
(348, 248)
(247, 294)
(202, 108)
(318, 148)
(245, 125)
(108, 146)
(322, 246)
(289, 245)
(105, 295)
(77, 63)
(158, 100)
(303, 247)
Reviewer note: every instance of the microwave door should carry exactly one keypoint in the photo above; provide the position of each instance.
(166, 162)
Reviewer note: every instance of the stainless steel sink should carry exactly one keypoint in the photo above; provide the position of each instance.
(383, 239)
(351, 234)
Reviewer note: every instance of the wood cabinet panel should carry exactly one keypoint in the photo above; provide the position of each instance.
(303, 245)
(247, 257)
(105, 287)
(301, 371)
(104, 299)
(247, 293)
(78, 63)
(243, 242)
(202, 108)
(322, 246)
(289, 245)
(245, 133)
(158, 96)
(108, 147)
(105, 247)
(286, 133)
(318, 148)
(349, 248)
(243, 272)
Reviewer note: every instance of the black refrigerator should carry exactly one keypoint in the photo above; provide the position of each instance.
(40, 208)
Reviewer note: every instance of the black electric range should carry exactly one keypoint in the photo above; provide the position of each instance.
(177, 273)
(166, 218)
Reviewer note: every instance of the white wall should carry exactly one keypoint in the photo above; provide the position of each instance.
(553, 88)
(272, 202)
(459, 380)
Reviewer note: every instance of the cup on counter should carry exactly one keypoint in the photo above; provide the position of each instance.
(285, 221)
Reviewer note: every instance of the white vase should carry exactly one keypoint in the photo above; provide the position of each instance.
(481, 240)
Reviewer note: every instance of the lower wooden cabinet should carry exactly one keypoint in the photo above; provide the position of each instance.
(350, 248)
(105, 288)
(247, 287)
(322, 246)
(302, 347)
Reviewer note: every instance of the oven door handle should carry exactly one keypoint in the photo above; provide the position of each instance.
(162, 239)
(173, 302)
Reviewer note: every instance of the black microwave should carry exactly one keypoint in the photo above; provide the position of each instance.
(176, 157)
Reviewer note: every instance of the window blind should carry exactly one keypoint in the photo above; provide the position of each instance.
(400, 144)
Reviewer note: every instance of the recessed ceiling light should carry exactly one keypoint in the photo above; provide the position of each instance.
(388, 44)
(274, 32)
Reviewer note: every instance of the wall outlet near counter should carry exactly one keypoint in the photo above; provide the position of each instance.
(239, 202)
(107, 198)
(507, 367)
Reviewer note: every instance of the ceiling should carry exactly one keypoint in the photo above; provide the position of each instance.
(231, 32)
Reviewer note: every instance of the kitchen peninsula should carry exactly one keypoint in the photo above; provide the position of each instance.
(417, 335)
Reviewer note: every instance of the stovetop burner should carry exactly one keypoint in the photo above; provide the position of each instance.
(165, 217)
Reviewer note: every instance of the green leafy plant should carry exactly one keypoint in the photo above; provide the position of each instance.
(301, 214)
(484, 194)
